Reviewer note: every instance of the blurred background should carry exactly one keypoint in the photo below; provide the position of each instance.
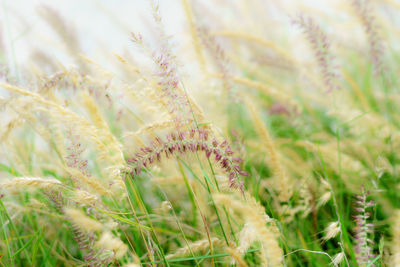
(102, 27)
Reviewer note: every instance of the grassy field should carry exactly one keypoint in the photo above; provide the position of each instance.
(263, 136)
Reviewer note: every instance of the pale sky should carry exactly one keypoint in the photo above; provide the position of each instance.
(104, 26)
(101, 25)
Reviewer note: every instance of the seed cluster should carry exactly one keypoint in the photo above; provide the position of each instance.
(195, 140)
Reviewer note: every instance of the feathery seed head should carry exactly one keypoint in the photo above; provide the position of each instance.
(108, 241)
(320, 45)
(82, 221)
(363, 230)
(32, 182)
(195, 140)
(332, 230)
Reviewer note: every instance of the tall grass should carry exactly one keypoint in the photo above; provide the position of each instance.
(276, 147)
